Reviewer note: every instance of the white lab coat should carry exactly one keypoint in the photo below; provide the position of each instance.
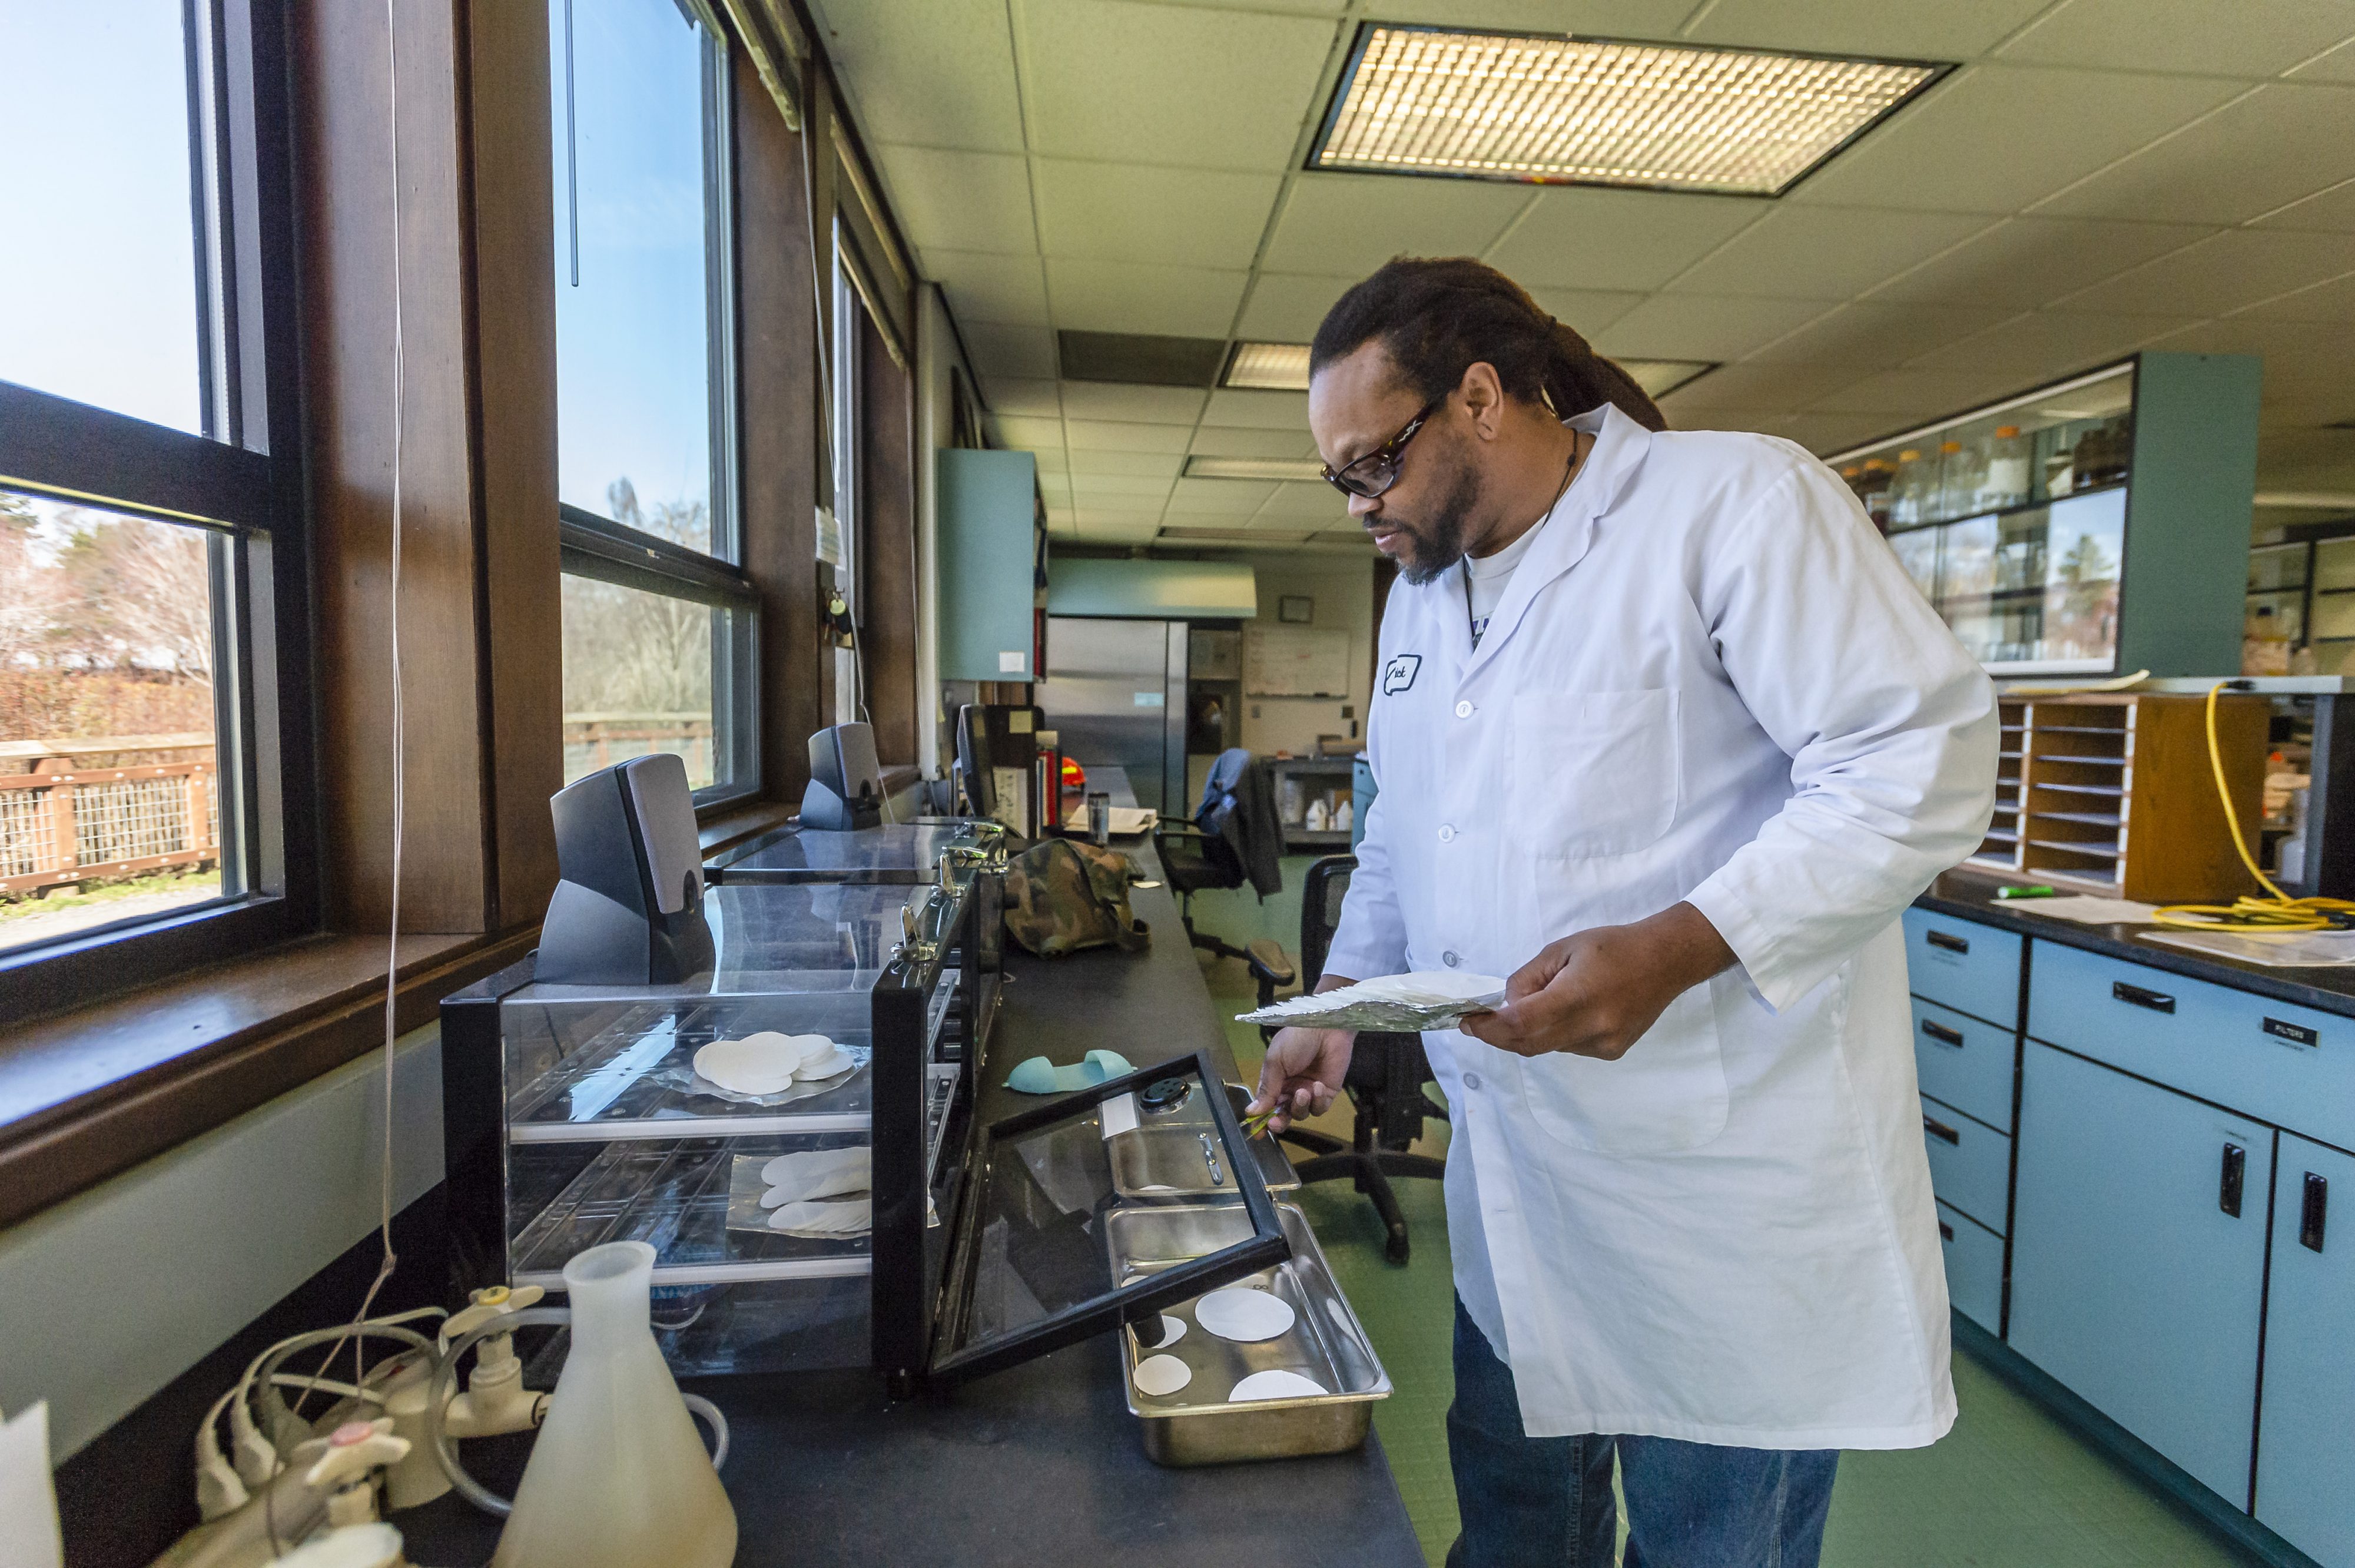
(1709, 680)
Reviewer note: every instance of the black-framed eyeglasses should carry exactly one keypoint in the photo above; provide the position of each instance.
(1378, 470)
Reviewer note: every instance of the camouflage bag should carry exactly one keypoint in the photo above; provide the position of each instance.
(1062, 897)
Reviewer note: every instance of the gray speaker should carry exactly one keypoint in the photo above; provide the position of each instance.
(846, 786)
(629, 910)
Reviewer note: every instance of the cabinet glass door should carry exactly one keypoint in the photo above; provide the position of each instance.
(2306, 1463)
(2138, 1257)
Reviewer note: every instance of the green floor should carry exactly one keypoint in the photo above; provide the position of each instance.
(2008, 1487)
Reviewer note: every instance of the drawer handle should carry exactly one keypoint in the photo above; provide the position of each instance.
(2156, 1001)
(1941, 1034)
(2228, 1181)
(1945, 1231)
(1951, 944)
(1938, 1129)
(2311, 1212)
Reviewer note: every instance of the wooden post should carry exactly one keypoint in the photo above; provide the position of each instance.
(64, 852)
(199, 834)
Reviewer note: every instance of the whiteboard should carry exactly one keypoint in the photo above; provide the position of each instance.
(1295, 661)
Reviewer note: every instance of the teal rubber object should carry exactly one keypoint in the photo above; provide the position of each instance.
(1037, 1075)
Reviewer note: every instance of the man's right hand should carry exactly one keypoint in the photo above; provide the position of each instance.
(1304, 1068)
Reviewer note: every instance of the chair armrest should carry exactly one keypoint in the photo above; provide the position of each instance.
(1269, 965)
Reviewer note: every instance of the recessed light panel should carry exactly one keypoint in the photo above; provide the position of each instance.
(1658, 377)
(1431, 101)
(1253, 468)
(1268, 366)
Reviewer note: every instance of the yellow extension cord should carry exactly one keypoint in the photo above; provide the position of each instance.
(2280, 913)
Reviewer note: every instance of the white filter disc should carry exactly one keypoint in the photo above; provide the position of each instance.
(816, 1173)
(831, 1062)
(758, 1064)
(1172, 1330)
(1243, 1314)
(1158, 1375)
(814, 1048)
(1270, 1385)
(826, 1220)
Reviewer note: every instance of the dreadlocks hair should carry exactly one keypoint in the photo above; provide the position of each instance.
(1437, 316)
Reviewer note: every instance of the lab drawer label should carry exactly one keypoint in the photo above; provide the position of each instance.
(1959, 963)
(2297, 1034)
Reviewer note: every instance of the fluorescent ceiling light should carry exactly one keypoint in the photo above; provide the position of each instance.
(1254, 468)
(1268, 366)
(1559, 109)
(1658, 377)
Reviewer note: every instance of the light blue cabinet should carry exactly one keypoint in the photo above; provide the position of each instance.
(1974, 1267)
(2306, 1436)
(1970, 1165)
(2138, 1257)
(1965, 1063)
(988, 562)
(1965, 966)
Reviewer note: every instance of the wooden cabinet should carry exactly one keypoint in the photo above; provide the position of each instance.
(988, 548)
(2138, 1257)
(2306, 1434)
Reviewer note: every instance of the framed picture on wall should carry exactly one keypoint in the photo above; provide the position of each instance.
(1295, 609)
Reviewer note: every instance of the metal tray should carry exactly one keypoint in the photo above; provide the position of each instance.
(1198, 1425)
(1169, 1157)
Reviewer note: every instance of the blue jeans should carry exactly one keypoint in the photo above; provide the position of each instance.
(1545, 1502)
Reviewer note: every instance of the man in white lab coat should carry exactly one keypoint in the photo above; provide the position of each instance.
(1663, 733)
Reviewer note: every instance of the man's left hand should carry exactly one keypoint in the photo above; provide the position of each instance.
(1596, 993)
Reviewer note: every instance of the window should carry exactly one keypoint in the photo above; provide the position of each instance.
(150, 540)
(845, 424)
(660, 622)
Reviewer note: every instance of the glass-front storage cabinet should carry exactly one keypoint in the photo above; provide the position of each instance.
(2090, 528)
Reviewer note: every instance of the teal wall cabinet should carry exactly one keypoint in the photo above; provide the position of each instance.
(988, 513)
(2306, 1434)
(2138, 1257)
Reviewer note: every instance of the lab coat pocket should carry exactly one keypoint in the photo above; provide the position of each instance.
(1594, 773)
(1668, 1094)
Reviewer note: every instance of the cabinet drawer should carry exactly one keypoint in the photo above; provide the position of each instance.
(1965, 966)
(2306, 1467)
(1964, 1062)
(1973, 1268)
(2284, 1064)
(1970, 1164)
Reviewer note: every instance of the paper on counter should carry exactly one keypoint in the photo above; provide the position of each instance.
(2084, 908)
(2286, 950)
(1430, 998)
(28, 1500)
(1127, 821)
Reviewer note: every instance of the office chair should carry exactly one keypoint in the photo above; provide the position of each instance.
(1387, 1072)
(1198, 855)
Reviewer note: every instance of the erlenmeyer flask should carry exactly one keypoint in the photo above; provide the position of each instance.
(618, 1477)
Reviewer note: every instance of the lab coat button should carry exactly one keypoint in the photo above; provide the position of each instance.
(1463, 710)
(1446, 834)
(1471, 1080)
(1449, 959)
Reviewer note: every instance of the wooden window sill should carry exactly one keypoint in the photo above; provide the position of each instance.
(88, 1093)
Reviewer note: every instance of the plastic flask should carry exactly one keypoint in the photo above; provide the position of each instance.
(2007, 473)
(618, 1477)
(1905, 497)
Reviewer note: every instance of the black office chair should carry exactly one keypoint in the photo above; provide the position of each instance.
(1387, 1072)
(1197, 855)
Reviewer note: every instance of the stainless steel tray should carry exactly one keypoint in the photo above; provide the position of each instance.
(1169, 1155)
(1198, 1424)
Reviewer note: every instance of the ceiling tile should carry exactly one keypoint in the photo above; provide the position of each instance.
(1214, 441)
(1345, 224)
(1012, 395)
(1100, 435)
(2047, 345)
(1259, 411)
(2279, 144)
(2331, 212)
(2031, 261)
(2196, 36)
(1826, 432)
(1030, 434)
(1132, 212)
(1908, 29)
(1236, 497)
(1161, 465)
(940, 74)
(1027, 352)
(1287, 309)
(1611, 18)
(1289, 7)
(2335, 65)
(1132, 491)
(2218, 275)
(961, 201)
(1703, 327)
(1751, 386)
(1139, 405)
(1996, 138)
(1899, 397)
(1588, 237)
(1869, 335)
(1053, 463)
(1823, 253)
(1166, 85)
(1588, 310)
(983, 287)
(1753, 419)
(2333, 300)
(1306, 498)
(1121, 296)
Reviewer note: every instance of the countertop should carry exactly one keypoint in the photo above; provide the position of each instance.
(1042, 1463)
(1970, 895)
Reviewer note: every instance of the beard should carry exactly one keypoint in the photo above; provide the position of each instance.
(1435, 542)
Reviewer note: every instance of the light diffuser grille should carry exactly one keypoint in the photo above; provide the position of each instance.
(1507, 106)
(1271, 366)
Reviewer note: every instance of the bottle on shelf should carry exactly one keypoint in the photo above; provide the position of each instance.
(1906, 498)
(1962, 470)
(2007, 470)
(1872, 489)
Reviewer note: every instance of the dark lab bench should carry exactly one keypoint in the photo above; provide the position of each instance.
(1041, 1463)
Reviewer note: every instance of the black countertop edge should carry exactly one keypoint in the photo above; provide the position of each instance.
(1970, 895)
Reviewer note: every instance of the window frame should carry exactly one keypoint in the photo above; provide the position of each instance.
(244, 483)
(602, 549)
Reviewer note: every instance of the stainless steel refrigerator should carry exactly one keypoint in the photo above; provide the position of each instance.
(1115, 692)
